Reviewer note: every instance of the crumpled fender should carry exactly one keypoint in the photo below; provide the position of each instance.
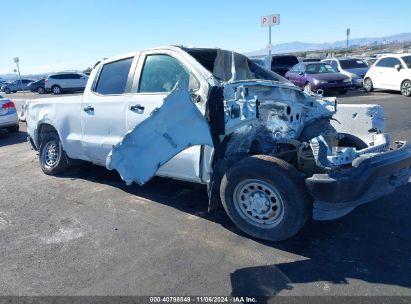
(177, 125)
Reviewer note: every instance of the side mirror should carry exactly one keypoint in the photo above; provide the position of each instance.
(301, 73)
(398, 67)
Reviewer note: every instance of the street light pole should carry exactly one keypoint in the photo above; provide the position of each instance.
(348, 37)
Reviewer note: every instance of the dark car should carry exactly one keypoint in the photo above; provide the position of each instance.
(37, 86)
(281, 64)
(318, 75)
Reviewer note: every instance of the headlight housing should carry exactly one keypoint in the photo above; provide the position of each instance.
(316, 82)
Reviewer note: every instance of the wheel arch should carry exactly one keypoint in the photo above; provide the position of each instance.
(44, 128)
(402, 82)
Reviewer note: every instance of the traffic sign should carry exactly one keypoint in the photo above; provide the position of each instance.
(270, 20)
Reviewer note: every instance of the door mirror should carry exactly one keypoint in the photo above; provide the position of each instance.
(398, 67)
(301, 73)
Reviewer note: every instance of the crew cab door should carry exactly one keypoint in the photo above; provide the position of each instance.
(103, 110)
(156, 76)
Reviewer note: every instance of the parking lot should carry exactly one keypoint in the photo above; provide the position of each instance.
(87, 233)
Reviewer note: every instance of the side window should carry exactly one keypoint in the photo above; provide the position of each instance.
(160, 74)
(393, 62)
(388, 62)
(295, 69)
(334, 64)
(113, 77)
(75, 76)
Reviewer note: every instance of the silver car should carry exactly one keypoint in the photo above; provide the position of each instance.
(16, 85)
(57, 83)
(8, 115)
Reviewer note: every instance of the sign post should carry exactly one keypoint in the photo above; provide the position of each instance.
(271, 20)
(16, 61)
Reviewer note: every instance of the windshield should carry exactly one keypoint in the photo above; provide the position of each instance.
(353, 64)
(320, 68)
(218, 62)
(407, 60)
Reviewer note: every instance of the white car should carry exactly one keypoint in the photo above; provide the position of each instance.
(60, 82)
(8, 115)
(390, 72)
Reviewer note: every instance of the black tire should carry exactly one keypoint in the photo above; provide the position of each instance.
(348, 140)
(7, 91)
(280, 184)
(52, 163)
(56, 89)
(406, 88)
(307, 87)
(41, 90)
(343, 92)
(13, 129)
(368, 85)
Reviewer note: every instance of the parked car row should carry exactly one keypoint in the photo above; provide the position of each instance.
(55, 83)
(387, 72)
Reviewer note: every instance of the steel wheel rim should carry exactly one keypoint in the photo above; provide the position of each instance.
(56, 90)
(51, 154)
(406, 89)
(367, 84)
(259, 203)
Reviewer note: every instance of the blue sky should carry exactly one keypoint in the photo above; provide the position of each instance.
(53, 35)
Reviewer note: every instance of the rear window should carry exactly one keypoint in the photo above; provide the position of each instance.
(113, 77)
(353, 64)
(284, 61)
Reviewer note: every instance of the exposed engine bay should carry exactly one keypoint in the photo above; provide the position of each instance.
(304, 129)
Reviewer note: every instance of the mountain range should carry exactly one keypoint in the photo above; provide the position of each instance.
(298, 46)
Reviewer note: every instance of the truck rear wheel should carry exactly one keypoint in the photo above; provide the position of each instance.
(265, 197)
(53, 160)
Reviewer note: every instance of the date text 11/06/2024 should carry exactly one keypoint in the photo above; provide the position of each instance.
(165, 299)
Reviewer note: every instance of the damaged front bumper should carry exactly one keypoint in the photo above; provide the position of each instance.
(371, 176)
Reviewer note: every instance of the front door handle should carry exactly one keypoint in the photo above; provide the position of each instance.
(137, 108)
(88, 109)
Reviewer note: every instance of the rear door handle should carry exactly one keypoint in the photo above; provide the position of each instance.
(88, 109)
(137, 108)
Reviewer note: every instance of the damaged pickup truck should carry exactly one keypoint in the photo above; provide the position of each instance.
(270, 153)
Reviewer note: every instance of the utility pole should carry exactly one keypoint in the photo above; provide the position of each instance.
(348, 37)
(16, 61)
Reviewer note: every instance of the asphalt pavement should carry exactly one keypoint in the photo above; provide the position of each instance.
(87, 233)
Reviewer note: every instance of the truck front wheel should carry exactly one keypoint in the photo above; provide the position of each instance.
(265, 197)
(53, 159)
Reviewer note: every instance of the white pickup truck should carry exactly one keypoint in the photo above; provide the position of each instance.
(270, 153)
